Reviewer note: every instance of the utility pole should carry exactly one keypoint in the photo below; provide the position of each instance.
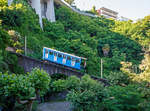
(101, 68)
(25, 48)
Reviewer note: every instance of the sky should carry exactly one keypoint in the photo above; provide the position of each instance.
(132, 9)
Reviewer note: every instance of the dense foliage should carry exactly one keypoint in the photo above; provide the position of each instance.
(40, 80)
(22, 87)
(88, 96)
(120, 44)
(123, 99)
(85, 38)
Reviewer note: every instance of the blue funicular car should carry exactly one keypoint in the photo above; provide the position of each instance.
(63, 58)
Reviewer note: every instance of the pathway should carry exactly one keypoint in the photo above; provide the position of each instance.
(54, 106)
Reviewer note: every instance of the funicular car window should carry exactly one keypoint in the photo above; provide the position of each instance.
(77, 61)
(64, 56)
(55, 53)
(59, 55)
(46, 51)
(73, 59)
(68, 58)
(51, 53)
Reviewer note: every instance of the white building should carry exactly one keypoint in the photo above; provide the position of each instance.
(107, 13)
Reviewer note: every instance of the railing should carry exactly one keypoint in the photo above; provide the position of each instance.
(62, 2)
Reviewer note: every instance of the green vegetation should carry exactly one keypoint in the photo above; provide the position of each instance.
(86, 38)
(88, 96)
(40, 79)
(121, 45)
(22, 87)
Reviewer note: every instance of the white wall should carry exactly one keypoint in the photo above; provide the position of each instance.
(36, 4)
(50, 14)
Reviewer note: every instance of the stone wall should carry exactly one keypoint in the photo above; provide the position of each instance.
(28, 64)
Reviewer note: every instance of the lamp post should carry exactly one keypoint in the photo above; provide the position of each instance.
(25, 48)
(101, 68)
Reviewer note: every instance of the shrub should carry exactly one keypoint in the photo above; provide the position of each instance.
(54, 30)
(122, 99)
(118, 78)
(40, 80)
(88, 83)
(88, 96)
(18, 86)
(14, 87)
(59, 85)
(4, 39)
(3, 3)
(84, 101)
(13, 16)
(15, 40)
(11, 63)
(132, 50)
(73, 82)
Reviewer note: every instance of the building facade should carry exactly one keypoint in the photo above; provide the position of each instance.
(107, 13)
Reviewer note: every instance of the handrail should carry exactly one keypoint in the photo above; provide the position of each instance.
(62, 2)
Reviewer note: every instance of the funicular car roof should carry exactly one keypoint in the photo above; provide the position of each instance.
(65, 53)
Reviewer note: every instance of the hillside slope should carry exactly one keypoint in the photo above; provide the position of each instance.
(72, 33)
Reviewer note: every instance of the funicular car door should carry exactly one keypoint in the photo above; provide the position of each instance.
(64, 59)
(68, 62)
(46, 54)
(59, 58)
(73, 62)
(78, 62)
(51, 55)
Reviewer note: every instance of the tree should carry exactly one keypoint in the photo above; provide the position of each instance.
(145, 65)
(41, 80)
(4, 39)
(3, 3)
(93, 10)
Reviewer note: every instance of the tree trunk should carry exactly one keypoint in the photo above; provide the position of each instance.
(29, 105)
(38, 96)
